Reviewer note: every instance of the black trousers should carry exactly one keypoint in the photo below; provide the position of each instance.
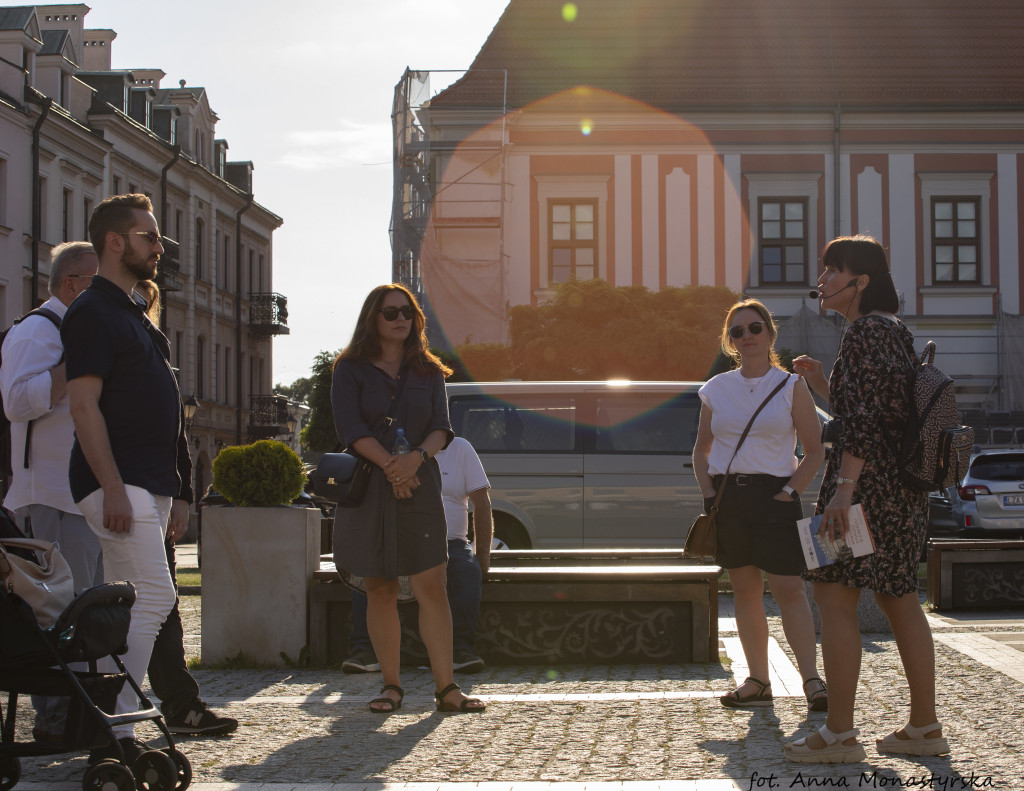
(168, 671)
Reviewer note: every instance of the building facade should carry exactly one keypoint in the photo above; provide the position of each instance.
(74, 131)
(664, 143)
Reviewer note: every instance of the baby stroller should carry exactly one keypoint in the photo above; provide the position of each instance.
(34, 661)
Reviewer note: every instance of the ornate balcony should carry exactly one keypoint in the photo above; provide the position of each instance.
(168, 275)
(268, 315)
(268, 416)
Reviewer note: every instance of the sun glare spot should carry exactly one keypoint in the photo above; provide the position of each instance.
(569, 12)
(586, 126)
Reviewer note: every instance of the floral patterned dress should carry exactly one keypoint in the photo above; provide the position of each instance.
(869, 391)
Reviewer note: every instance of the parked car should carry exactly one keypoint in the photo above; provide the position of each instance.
(587, 464)
(990, 501)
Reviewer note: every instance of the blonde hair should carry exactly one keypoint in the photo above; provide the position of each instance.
(150, 291)
(729, 345)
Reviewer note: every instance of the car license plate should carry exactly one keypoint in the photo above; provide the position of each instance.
(1013, 499)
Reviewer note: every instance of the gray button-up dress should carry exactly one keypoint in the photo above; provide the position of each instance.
(385, 537)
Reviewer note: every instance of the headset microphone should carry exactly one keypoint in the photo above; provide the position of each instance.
(813, 294)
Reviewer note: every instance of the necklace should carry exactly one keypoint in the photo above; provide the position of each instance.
(753, 382)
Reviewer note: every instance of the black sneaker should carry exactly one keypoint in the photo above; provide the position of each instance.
(198, 720)
(467, 663)
(361, 663)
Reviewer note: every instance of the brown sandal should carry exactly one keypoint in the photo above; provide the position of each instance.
(391, 704)
(466, 706)
(817, 700)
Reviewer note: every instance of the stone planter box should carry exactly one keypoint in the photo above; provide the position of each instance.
(258, 564)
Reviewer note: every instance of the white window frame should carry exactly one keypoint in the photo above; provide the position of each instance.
(570, 188)
(952, 185)
(783, 185)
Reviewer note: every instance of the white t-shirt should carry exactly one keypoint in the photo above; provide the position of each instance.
(30, 350)
(770, 447)
(461, 474)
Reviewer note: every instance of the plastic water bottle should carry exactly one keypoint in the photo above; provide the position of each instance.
(401, 443)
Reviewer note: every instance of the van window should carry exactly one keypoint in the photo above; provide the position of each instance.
(642, 423)
(530, 425)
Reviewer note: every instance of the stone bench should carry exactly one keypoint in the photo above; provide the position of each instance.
(975, 574)
(561, 607)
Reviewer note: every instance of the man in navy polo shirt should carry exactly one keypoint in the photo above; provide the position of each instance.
(130, 470)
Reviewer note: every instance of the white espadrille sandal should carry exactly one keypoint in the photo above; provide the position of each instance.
(915, 742)
(834, 751)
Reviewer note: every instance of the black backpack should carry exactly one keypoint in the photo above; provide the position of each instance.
(5, 424)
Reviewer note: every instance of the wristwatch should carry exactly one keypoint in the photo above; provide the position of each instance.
(793, 493)
(423, 453)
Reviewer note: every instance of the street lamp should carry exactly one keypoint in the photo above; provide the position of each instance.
(291, 423)
(190, 406)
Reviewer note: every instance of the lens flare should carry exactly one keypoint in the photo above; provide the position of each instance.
(569, 12)
(586, 126)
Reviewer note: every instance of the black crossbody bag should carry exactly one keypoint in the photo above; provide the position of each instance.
(344, 477)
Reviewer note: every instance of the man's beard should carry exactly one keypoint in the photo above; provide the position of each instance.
(139, 266)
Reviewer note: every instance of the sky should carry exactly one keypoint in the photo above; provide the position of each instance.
(304, 91)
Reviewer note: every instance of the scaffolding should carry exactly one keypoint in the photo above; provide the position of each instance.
(449, 178)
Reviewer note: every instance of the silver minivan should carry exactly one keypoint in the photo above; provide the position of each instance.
(586, 464)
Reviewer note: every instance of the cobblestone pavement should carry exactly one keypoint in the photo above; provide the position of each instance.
(597, 726)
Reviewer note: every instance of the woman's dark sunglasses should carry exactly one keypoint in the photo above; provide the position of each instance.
(390, 313)
(755, 328)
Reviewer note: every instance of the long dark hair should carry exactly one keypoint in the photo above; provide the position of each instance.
(365, 343)
(863, 255)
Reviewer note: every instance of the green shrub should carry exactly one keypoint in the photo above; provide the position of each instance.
(259, 475)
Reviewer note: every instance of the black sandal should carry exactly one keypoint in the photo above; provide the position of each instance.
(763, 696)
(392, 704)
(818, 699)
(466, 706)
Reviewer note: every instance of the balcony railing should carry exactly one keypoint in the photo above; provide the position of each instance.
(268, 416)
(168, 275)
(268, 314)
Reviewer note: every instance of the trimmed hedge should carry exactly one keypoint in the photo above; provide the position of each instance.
(263, 474)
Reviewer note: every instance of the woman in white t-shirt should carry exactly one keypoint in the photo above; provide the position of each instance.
(761, 504)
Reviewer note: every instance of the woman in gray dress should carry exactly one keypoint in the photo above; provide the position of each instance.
(386, 379)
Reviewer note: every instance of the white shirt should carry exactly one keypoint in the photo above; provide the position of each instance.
(770, 447)
(461, 475)
(30, 350)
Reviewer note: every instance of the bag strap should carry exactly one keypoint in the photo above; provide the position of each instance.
(385, 424)
(743, 436)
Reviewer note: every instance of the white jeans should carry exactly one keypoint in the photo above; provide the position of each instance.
(137, 556)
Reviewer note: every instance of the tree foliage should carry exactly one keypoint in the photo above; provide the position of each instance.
(298, 391)
(593, 330)
(318, 435)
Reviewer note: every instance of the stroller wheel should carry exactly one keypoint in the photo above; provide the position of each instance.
(155, 771)
(10, 772)
(183, 766)
(108, 776)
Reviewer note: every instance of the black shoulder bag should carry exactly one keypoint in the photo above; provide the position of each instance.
(702, 540)
(344, 477)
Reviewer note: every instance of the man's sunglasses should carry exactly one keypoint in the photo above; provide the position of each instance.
(151, 236)
(390, 313)
(755, 327)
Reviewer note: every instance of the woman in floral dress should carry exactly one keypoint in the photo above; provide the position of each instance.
(868, 393)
